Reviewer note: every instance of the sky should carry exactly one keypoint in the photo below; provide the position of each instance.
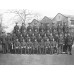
(48, 8)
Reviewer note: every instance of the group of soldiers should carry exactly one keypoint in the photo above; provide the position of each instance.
(37, 40)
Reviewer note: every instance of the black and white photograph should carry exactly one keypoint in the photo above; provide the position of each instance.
(37, 33)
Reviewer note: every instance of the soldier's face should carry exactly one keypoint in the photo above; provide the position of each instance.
(47, 39)
(17, 40)
(33, 34)
(35, 30)
(29, 40)
(35, 40)
(27, 34)
(30, 29)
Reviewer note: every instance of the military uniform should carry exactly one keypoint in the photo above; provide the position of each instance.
(29, 31)
(39, 38)
(70, 43)
(20, 38)
(45, 38)
(55, 46)
(47, 47)
(41, 30)
(4, 45)
(29, 47)
(23, 47)
(51, 37)
(17, 46)
(23, 28)
(33, 38)
(35, 31)
(9, 43)
(61, 43)
(51, 47)
(41, 47)
(48, 33)
(36, 47)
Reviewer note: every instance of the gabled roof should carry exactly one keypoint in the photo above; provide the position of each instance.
(46, 20)
(60, 14)
(61, 18)
(34, 20)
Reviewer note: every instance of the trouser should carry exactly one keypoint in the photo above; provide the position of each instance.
(69, 49)
(38, 51)
(17, 50)
(55, 50)
(9, 48)
(30, 51)
(35, 51)
(24, 51)
(47, 50)
(4, 48)
(60, 48)
(51, 50)
(14, 50)
(41, 50)
(65, 48)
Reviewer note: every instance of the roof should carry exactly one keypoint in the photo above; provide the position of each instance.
(60, 17)
(60, 14)
(46, 20)
(34, 22)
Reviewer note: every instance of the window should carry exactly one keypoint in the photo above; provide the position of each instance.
(72, 22)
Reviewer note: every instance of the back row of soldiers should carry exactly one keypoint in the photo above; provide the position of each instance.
(37, 40)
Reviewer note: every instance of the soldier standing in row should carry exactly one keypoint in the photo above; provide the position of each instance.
(23, 46)
(41, 46)
(47, 46)
(17, 46)
(69, 44)
(61, 43)
(4, 45)
(36, 47)
(29, 46)
(9, 43)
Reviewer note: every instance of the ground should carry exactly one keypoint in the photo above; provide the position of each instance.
(17, 59)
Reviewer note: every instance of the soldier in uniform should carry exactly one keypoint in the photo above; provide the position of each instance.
(48, 33)
(17, 46)
(23, 28)
(9, 43)
(29, 31)
(51, 47)
(41, 47)
(36, 47)
(35, 30)
(4, 45)
(47, 46)
(65, 43)
(23, 46)
(39, 38)
(45, 38)
(51, 37)
(55, 46)
(70, 43)
(33, 37)
(42, 30)
(29, 46)
(61, 43)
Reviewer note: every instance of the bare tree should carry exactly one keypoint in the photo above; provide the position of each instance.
(1, 25)
(23, 15)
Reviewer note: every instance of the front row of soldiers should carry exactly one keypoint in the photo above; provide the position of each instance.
(48, 46)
